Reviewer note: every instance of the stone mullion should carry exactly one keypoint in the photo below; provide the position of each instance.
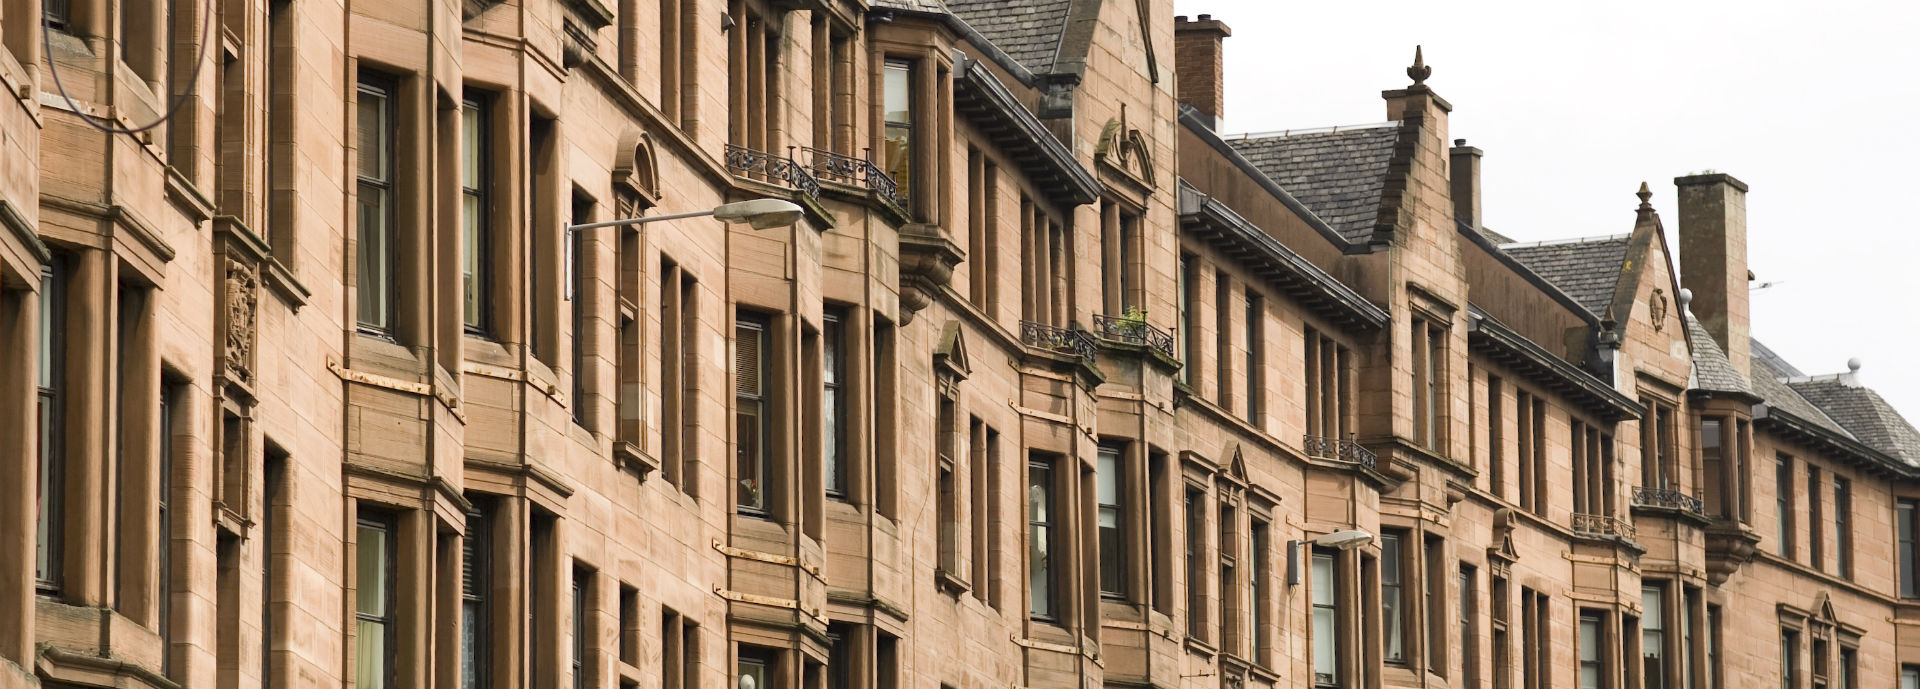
(139, 468)
(85, 386)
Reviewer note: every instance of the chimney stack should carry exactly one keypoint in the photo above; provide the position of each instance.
(1197, 58)
(1464, 176)
(1713, 260)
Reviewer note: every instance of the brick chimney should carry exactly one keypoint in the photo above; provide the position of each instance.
(1197, 64)
(1464, 176)
(1713, 259)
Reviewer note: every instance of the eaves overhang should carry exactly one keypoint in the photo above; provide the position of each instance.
(1790, 425)
(981, 97)
(1503, 345)
(1204, 217)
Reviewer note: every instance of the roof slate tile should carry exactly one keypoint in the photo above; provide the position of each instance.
(1339, 175)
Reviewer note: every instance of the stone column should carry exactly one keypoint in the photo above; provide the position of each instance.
(139, 467)
(87, 420)
(19, 324)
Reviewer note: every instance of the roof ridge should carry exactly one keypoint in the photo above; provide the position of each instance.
(1283, 133)
(1571, 240)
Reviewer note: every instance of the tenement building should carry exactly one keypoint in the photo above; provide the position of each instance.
(1046, 383)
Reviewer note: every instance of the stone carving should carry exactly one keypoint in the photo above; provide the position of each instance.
(242, 284)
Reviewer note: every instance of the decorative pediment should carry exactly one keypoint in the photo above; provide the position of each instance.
(635, 168)
(1234, 466)
(1123, 149)
(950, 355)
(1501, 555)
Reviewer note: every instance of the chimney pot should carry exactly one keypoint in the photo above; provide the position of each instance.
(1206, 17)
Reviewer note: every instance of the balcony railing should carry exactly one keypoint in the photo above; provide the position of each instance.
(1602, 525)
(846, 169)
(1062, 340)
(1667, 498)
(1339, 450)
(769, 167)
(1133, 331)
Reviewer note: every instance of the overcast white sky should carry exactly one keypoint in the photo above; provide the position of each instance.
(1575, 103)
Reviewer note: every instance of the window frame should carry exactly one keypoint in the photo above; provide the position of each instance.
(1111, 482)
(1324, 621)
(834, 455)
(476, 230)
(368, 279)
(757, 505)
(1042, 540)
(50, 483)
(901, 171)
(387, 526)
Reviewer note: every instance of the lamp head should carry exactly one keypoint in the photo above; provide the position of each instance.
(761, 214)
(1344, 540)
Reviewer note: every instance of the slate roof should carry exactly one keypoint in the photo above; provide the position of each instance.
(1711, 368)
(1769, 376)
(1865, 413)
(1774, 360)
(1029, 31)
(934, 6)
(1587, 269)
(1337, 174)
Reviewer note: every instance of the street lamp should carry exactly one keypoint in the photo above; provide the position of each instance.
(761, 214)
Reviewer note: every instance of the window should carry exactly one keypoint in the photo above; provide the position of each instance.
(58, 15)
(680, 650)
(983, 230)
(1816, 520)
(680, 369)
(1429, 382)
(1040, 537)
(1329, 390)
(1536, 624)
(475, 579)
(281, 102)
(373, 602)
(1723, 460)
(1196, 562)
(1189, 318)
(582, 623)
(1592, 463)
(1843, 527)
(1789, 658)
(1533, 451)
(1392, 598)
(476, 236)
(1160, 508)
(1910, 677)
(1120, 265)
(832, 85)
(1435, 605)
(897, 103)
(582, 300)
(755, 75)
(1713, 647)
(755, 666)
(841, 673)
(1496, 438)
(1113, 544)
(679, 91)
(946, 466)
(1223, 339)
(1256, 364)
(49, 417)
(886, 657)
(833, 406)
(1653, 659)
(1783, 491)
(750, 413)
(1258, 597)
(886, 419)
(170, 398)
(1497, 614)
(1326, 622)
(1657, 452)
(1905, 514)
(985, 470)
(275, 534)
(1689, 607)
(1047, 252)
(1590, 662)
(1469, 637)
(1849, 670)
(1229, 549)
(374, 251)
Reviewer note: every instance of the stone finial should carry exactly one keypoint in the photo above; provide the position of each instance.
(1646, 196)
(1853, 365)
(1686, 299)
(1419, 71)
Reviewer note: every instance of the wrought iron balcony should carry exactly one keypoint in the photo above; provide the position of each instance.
(1339, 450)
(1133, 331)
(1602, 525)
(846, 169)
(1667, 498)
(1062, 340)
(769, 167)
